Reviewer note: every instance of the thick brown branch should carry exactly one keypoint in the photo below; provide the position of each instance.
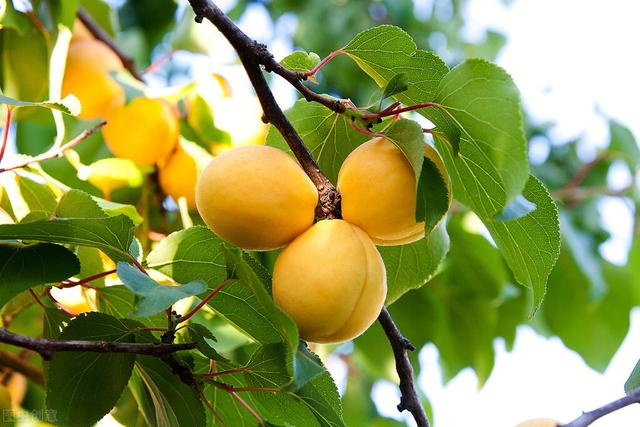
(18, 365)
(587, 418)
(252, 55)
(409, 399)
(46, 348)
(52, 154)
(101, 35)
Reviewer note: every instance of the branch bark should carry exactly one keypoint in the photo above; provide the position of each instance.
(252, 55)
(409, 399)
(97, 32)
(587, 418)
(22, 367)
(46, 348)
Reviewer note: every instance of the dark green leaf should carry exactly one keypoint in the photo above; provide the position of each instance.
(398, 83)
(518, 208)
(408, 137)
(74, 377)
(154, 297)
(79, 222)
(413, 265)
(434, 190)
(306, 365)
(25, 266)
(328, 135)
(163, 399)
(200, 334)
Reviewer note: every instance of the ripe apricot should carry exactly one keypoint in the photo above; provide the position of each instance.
(256, 197)
(145, 130)
(331, 280)
(378, 187)
(89, 63)
(539, 422)
(179, 175)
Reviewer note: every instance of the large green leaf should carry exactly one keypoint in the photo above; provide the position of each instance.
(68, 105)
(530, 244)
(163, 399)
(486, 151)
(25, 266)
(154, 297)
(434, 190)
(413, 265)
(408, 137)
(196, 254)
(78, 221)
(328, 135)
(385, 51)
(75, 377)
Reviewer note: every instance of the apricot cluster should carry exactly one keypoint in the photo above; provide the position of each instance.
(330, 278)
(144, 131)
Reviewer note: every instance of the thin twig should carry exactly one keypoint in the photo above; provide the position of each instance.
(19, 365)
(97, 32)
(252, 55)
(409, 399)
(587, 418)
(46, 347)
(59, 152)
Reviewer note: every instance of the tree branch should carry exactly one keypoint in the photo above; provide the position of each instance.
(409, 399)
(101, 35)
(51, 154)
(587, 418)
(252, 55)
(46, 347)
(18, 365)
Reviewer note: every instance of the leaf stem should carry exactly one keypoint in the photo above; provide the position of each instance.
(5, 133)
(35, 297)
(322, 63)
(225, 372)
(204, 301)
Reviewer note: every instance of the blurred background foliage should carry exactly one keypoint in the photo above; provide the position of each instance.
(474, 299)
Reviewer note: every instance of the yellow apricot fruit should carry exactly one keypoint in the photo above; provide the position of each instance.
(331, 280)
(89, 63)
(145, 130)
(73, 299)
(178, 176)
(378, 188)
(256, 197)
(539, 422)
(80, 31)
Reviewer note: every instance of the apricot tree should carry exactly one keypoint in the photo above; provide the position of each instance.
(152, 271)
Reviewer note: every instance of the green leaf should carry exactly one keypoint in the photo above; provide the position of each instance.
(398, 83)
(408, 137)
(196, 254)
(269, 366)
(328, 135)
(11, 18)
(200, 334)
(624, 144)
(54, 321)
(321, 396)
(242, 266)
(154, 298)
(306, 365)
(75, 377)
(386, 51)
(434, 190)
(412, 266)
(25, 266)
(301, 62)
(39, 197)
(530, 244)
(201, 120)
(68, 105)
(633, 382)
(518, 208)
(79, 221)
(486, 152)
(163, 399)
